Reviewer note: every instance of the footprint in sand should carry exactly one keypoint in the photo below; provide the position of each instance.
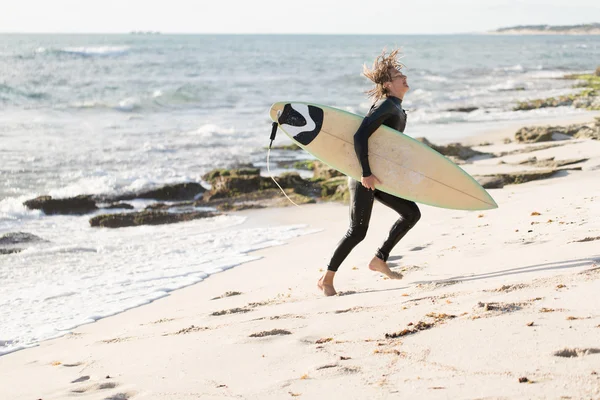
(101, 387)
(570, 353)
(273, 332)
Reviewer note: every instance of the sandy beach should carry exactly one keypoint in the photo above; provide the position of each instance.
(501, 304)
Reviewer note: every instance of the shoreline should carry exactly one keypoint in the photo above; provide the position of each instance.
(452, 261)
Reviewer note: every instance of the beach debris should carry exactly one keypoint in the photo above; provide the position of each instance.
(523, 379)
(305, 376)
(421, 325)
(530, 323)
(535, 213)
(324, 340)
(189, 329)
(576, 352)
(221, 386)
(163, 320)
(560, 286)
(437, 387)
(548, 310)
(117, 340)
(107, 377)
(509, 288)
(344, 358)
(273, 332)
(572, 318)
(587, 239)
(55, 363)
(231, 311)
(295, 394)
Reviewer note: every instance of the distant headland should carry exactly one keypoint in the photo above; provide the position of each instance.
(582, 29)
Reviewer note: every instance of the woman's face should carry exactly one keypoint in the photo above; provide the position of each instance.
(398, 85)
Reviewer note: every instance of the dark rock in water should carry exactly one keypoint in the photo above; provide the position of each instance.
(73, 205)
(123, 206)
(10, 251)
(176, 192)
(453, 150)
(37, 203)
(146, 218)
(464, 109)
(13, 242)
(12, 238)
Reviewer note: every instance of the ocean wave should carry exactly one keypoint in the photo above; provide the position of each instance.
(435, 78)
(508, 86)
(10, 93)
(94, 51)
(212, 130)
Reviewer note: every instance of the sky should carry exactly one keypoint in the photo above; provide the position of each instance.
(289, 16)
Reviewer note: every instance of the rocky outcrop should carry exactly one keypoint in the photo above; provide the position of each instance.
(70, 206)
(498, 181)
(85, 204)
(463, 109)
(175, 192)
(588, 98)
(146, 218)
(535, 134)
(453, 150)
(232, 183)
(15, 242)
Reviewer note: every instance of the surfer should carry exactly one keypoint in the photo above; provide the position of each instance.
(388, 93)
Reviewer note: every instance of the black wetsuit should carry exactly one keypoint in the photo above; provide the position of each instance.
(388, 112)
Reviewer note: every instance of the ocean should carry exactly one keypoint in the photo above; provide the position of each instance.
(107, 114)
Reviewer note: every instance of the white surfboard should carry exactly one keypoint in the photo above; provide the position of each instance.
(406, 167)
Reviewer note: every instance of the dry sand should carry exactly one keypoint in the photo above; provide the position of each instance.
(488, 299)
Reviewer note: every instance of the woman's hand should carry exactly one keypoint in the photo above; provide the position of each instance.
(369, 181)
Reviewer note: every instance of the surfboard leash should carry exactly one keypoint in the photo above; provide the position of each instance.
(273, 133)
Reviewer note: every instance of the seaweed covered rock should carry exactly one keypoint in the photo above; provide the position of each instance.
(69, 206)
(535, 134)
(145, 218)
(173, 192)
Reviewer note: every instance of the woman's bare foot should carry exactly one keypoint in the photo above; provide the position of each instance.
(378, 265)
(325, 284)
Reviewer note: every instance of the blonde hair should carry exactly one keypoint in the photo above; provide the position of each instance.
(380, 73)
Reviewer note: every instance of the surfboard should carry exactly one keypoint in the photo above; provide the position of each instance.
(406, 167)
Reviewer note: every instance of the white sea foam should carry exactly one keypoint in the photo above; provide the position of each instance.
(96, 50)
(84, 274)
(211, 130)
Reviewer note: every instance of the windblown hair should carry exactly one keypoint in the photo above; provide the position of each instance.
(380, 73)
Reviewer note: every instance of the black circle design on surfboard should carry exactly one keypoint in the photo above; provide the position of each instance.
(302, 121)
